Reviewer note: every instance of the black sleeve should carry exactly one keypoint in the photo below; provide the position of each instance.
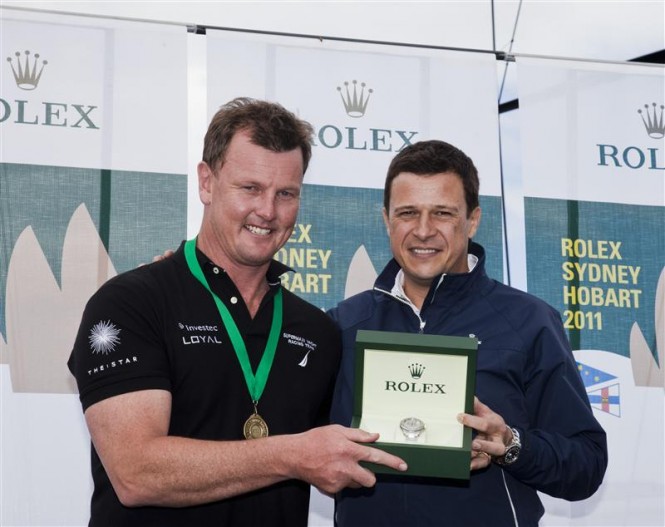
(119, 347)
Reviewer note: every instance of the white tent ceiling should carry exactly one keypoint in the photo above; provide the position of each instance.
(589, 29)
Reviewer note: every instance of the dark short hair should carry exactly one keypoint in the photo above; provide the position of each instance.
(434, 157)
(269, 125)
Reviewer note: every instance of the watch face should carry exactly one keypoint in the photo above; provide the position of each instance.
(412, 427)
(512, 454)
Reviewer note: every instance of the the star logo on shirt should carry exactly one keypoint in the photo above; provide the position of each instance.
(104, 337)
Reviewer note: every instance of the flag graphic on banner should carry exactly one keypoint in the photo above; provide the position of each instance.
(604, 395)
(606, 399)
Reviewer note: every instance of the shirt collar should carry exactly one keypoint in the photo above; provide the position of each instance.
(398, 287)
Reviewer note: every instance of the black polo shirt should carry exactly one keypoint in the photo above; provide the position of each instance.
(157, 327)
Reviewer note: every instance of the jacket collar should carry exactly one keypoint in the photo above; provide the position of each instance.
(455, 284)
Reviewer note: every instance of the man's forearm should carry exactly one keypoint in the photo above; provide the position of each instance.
(177, 472)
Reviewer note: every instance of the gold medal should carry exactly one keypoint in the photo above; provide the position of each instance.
(255, 427)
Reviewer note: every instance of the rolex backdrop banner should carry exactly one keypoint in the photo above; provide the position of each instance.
(93, 182)
(594, 183)
(366, 102)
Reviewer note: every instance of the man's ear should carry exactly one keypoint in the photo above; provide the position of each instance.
(475, 222)
(386, 221)
(206, 175)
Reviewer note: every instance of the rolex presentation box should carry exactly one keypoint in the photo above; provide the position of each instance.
(409, 388)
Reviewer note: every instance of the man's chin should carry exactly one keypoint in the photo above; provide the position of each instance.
(255, 258)
(421, 279)
(424, 272)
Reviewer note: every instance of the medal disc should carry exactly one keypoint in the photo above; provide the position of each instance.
(255, 427)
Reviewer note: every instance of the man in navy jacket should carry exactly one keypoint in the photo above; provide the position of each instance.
(534, 427)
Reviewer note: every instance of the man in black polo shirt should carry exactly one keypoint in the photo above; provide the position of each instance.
(205, 384)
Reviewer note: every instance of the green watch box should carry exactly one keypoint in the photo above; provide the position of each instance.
(409, 387)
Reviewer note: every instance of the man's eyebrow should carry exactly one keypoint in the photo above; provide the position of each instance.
(435, 207)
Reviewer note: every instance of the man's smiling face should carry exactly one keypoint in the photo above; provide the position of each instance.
(429, 227)
(252, 200)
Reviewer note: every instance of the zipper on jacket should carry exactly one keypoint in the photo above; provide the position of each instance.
(421, 322)
(510, 499)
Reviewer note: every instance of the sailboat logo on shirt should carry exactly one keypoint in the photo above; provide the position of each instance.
(300, 342)
(303, 362)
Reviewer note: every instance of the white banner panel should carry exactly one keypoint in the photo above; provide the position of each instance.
(93, 156)
(92, 94)
(593, 154)
(366, 102)
(592, 131)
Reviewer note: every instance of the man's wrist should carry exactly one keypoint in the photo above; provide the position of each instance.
(513, 448)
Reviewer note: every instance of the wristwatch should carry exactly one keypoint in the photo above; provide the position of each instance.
(512, 450)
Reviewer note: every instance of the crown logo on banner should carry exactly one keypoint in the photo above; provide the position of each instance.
(416, 370)
(355, 100)
(653, 120)
(27, 72)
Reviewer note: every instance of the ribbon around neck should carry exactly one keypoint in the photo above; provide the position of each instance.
(255, 382)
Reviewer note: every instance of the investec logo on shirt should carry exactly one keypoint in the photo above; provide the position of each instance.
(199, 334)
(27, 70)
(355, 100)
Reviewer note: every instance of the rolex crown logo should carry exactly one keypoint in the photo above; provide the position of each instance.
(355, 100)
(416, 370)
(653, 120)
(27, 72)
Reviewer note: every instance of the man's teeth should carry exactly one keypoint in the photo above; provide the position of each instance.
(257, 230)
(424, 251)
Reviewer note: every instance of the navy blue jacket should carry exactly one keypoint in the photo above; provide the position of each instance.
(526, 373)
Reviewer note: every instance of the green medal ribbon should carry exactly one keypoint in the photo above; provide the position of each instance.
(255, 383)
